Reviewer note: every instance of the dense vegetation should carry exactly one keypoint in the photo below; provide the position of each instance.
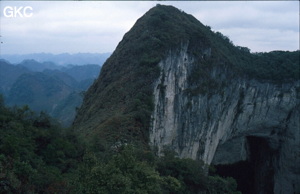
(275, 66)
(132, 170)
(38, 156)
(35, 154)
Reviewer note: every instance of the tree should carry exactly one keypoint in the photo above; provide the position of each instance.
(124, 174)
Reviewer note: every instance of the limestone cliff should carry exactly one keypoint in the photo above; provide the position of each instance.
(218, 126)
(172, 82)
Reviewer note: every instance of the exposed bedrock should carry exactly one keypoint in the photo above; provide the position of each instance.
(225, 119)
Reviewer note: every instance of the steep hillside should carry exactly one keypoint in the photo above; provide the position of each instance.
(38, 90)
(8, 75)
(64, 77)
(82, 72)
(123, 94)
(173, 83)
(37, 66)
(46, 87)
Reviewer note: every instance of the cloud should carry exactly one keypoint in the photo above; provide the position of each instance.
(93, 26)
(262, 40)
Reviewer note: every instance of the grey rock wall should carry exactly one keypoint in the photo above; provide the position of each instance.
(214, 120)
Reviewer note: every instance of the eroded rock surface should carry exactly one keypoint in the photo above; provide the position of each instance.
(220, 120)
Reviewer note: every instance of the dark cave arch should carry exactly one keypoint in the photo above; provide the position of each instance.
(256, 174)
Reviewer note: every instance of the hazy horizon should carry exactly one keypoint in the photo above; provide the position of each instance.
(98, 26)
(58, 59)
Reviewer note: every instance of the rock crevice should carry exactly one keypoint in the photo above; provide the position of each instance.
(216, 120)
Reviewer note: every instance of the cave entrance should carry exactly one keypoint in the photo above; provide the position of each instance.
(256, 175)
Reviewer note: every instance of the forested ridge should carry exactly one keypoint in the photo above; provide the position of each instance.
(39, 156)
(119, 104)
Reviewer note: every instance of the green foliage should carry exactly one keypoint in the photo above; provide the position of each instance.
(275, 66)
(129, 170)
(123, 173)
(187, 171)
(218, 185)
(36, 154)
(192, 176)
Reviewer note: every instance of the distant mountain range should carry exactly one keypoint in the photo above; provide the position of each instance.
(46, 86)
(60, 59)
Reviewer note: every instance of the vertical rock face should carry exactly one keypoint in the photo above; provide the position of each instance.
(172, 82)
(242, 120)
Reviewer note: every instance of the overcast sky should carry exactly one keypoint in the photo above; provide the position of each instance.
(97, 27)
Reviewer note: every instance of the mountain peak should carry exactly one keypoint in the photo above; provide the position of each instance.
(118, 106)
(124, 88)
(165, 27)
